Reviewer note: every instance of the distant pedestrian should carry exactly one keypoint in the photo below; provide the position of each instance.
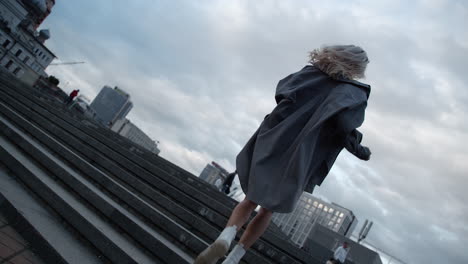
(318, 110)
(72, 95)
(228, 182)
(339, 256)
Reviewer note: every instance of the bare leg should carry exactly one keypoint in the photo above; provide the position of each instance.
(256, 228)
(241, 213)
(239, 216)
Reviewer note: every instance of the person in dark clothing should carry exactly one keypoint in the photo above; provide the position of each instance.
(72, 95)
(318, 111)
(228, 182)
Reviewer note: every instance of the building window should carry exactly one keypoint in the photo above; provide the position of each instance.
(8, 65)
(40, 53)
(16, 71)
(18, 52)
(6, 43)
(26, 59)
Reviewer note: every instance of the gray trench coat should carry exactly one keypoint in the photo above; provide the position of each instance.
(297, 143)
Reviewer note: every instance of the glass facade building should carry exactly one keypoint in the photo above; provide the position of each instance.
(310, 211)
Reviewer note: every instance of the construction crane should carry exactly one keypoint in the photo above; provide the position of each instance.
(67, 63)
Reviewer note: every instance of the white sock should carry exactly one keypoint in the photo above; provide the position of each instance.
(236, 255)
(228, 234)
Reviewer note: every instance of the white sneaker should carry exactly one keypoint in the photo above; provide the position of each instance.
(219, 248)
(236, 255)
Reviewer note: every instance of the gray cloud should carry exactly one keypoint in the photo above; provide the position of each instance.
(202, 76)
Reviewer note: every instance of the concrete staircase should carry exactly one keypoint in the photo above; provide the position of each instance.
(93, 196)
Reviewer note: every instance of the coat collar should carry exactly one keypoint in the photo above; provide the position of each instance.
(364, 86)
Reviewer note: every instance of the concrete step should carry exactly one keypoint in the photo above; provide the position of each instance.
(112, 244)
(118, 234)
(135, 194)
(12, 81)
(46, 232)
(163, 164)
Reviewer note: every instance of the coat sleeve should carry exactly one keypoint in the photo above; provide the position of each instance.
(353, 145)
(284, 90)
(346, 122)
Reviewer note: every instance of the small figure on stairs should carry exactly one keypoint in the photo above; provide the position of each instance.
(228, 182)
(70, 98)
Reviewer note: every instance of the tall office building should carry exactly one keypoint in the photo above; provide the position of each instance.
(111, 104)
(310, 211)
(212, 172)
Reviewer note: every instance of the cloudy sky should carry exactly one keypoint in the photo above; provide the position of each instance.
(202, 76)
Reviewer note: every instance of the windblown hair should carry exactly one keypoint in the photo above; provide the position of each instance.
(340, 61)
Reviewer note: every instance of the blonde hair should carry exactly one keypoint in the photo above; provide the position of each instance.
(340, 61)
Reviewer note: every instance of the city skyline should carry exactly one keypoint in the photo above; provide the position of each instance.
(202, 76)
(311, 210)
